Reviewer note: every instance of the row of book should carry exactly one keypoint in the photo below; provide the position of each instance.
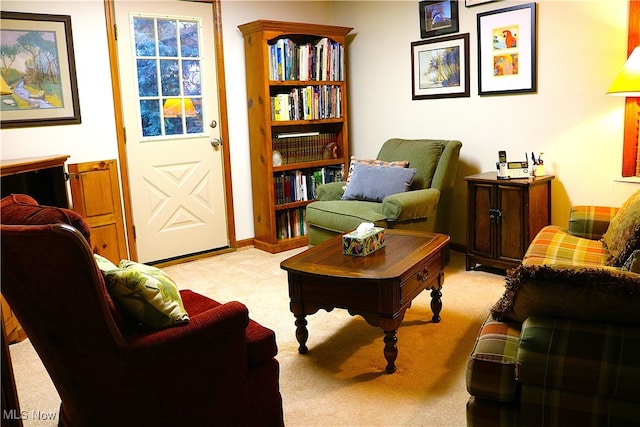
(308, 103)
(291, 223)
(322, 60)
(296, 186)
(296, 148)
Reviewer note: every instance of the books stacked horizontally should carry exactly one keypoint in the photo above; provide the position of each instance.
(322, 60)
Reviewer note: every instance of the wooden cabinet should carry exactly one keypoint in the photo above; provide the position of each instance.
(43, 178)
(503, 217)
(298, 121)
(95, 190)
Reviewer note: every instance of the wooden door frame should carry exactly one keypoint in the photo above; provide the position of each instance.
(109, 11)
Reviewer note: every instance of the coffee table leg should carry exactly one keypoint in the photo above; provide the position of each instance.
(436, 304)
(302, 334)
(390, 349)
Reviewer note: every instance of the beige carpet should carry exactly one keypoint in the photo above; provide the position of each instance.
(341, 381)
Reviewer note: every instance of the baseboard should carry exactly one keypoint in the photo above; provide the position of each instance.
(244, 243)
(458, 247)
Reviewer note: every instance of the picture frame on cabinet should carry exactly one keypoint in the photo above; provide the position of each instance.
(471, 3)
(39, 88)
(440, 67)
(438, 18)
(507, 50)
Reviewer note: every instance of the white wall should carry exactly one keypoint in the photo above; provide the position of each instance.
(95, 137)
(582, 44)
(235, 13)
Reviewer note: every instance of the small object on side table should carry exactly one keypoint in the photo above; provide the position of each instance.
(363, 241)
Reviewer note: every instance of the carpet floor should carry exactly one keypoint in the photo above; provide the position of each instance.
(342, 380)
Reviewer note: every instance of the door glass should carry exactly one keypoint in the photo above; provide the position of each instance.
(168, 69)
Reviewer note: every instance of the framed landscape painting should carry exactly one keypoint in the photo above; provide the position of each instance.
(440, 67)
(38, 84)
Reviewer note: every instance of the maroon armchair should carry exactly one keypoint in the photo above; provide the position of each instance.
(219, 369)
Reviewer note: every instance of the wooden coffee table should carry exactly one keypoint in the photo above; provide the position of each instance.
(379, 287)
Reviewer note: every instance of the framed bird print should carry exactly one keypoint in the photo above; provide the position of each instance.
(507, 50)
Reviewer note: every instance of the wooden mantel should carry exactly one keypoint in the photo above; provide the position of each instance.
(29, 164)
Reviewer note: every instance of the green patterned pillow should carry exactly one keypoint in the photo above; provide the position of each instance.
(623, 235)
(633, 262)
(145, 292)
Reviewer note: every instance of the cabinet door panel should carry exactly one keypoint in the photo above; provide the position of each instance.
(482, 200)
(95, 190)
(539, 210)
(511, 236)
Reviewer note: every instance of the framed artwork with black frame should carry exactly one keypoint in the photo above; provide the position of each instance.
(471, 3)
(507, 50)
(38, 86)
(438, 18)
(440, 67)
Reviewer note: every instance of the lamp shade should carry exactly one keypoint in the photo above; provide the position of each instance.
(627, 83)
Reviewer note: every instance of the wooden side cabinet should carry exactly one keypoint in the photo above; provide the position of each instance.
(503, 217)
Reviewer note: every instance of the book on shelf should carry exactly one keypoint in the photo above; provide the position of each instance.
(304, 146)
(301, 185)
(322, 60)
(291, 223)
(307, 103)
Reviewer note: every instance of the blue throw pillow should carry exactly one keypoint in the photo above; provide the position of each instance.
(374, 183)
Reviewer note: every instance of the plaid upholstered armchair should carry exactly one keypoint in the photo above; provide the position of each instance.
(561, 345)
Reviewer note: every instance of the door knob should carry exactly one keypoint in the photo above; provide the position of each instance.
(215, 142)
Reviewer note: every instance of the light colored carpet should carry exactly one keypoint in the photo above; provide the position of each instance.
(341, 381)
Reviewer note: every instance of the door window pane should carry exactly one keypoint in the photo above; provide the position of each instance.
(149, 114)
(169, 71)
(170, 78)
(191, 77)
(147, 77)
(144, 37)
(167, 41)
(189, 45)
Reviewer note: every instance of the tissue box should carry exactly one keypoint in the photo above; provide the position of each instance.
(363, 244)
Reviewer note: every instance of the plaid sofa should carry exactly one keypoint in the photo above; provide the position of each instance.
(561, 347)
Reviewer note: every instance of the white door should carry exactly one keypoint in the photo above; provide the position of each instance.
(170, 107)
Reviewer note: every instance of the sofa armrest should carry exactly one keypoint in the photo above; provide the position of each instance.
(590, 222)
(411, 205)
(330, 190)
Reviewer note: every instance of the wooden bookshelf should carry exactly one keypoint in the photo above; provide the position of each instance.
(297, 105)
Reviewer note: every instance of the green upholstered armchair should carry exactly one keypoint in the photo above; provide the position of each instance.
(425, 207)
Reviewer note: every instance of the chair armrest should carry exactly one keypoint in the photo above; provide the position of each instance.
(215, 326)
(590, 222)
(209, 354)
(330, 190)
(411, 205)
